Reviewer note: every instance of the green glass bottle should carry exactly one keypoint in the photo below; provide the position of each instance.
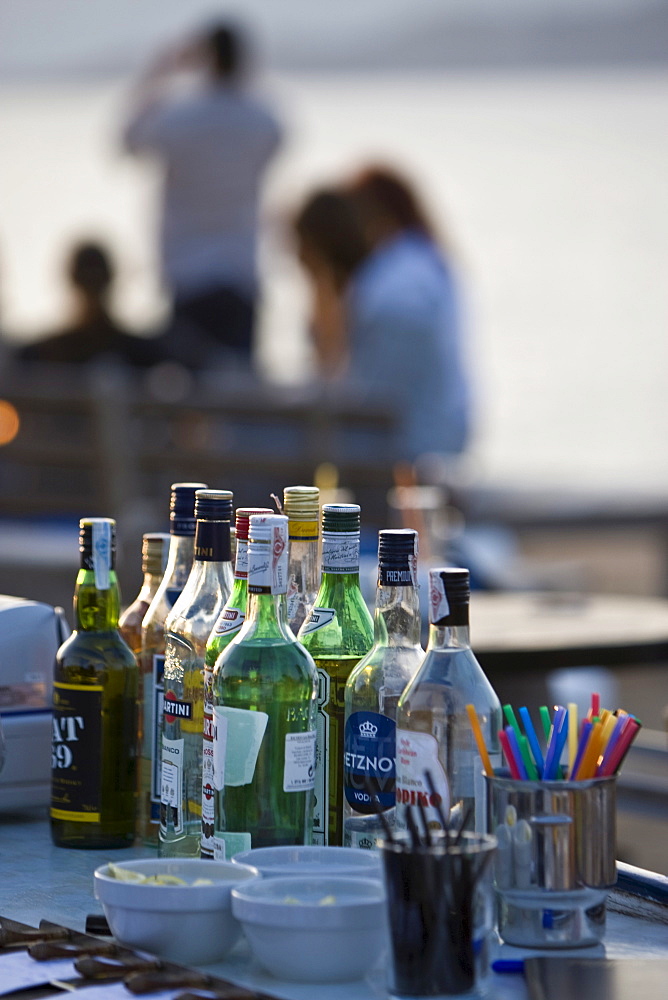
(94, 749)
(433, 729)
(301, 505)
(264, 698)
(337, 633)
(187, 630)
(374, 688)
(152, 657)
(227, 626)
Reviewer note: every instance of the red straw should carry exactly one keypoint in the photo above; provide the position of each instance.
(625, 740)
(595, 704)
(512, 763)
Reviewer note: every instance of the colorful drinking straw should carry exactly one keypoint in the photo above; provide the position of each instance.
(477, 733)
(572, 735)
(512, 764)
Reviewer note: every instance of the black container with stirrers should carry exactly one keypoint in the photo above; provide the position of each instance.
(431, 878)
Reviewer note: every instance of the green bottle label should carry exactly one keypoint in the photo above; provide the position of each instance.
(76, 752)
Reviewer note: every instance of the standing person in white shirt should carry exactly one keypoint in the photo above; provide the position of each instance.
(213, 142)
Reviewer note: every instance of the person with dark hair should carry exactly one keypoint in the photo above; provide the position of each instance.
(93, 333)
(392, 321)
(214, 143)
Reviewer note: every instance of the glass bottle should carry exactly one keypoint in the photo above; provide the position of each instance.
(152, 657)
(227, 626)
(301, 505)
(373, 690)
(433, 729)
(153, 561)
(94, 748)
(264, 696)
(337, 633)
(187, 630)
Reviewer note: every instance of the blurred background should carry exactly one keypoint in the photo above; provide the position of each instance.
(537, 134)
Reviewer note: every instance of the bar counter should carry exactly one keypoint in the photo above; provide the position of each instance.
(39, 881)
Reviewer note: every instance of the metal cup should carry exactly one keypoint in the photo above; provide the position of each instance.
(555, 859)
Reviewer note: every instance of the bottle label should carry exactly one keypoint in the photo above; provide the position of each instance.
(238, 735)
(304, 531)
(76, 752)
(219, 852)
(340, 551)
(321, 796)
(241, 563)
(171, 786)
(394, 576)
(299, 767)
(368, 762)
(158, 700)
(439, 606)
(101, 546)
(206, 843)
(268, 565)
(317, 618)
(417, 753)
(229, 621)
(212, 541)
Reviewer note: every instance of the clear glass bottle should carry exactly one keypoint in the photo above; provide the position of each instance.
(265, 687)
(301, 505)
(152, 656)
(187, 630)
(154, 550)
(228, 625)
(433, 729)
(373, 690)
(94, 748)
(337, 633)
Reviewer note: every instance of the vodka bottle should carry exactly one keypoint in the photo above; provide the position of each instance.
(433, 729)
(373, 690)
(152, 656)
(227, 626)
(94, 782)
(264, 698)
(187, 630)
(301, 505)
(153, 561)
(337, 633)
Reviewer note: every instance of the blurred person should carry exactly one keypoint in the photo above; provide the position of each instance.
(386, 316)
(214, 143)
(92, 332)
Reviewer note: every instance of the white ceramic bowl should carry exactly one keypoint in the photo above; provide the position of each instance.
(297, 937)
(273, 862)
(190, 924)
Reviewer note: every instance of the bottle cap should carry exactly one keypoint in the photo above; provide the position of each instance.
(182, 508)
(341, 517)
(213, 505)
(301, 503)
(449, 593)
(155, 545)
(243, 516)
(97, 545)
(397, 557)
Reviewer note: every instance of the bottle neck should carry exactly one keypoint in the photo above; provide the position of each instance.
(96, 610)
(267, 617)
(397, 616)
(449, 637)
(212, 542)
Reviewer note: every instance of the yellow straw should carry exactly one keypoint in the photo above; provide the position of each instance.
(608, 726)
(477, 732)
(572, 735)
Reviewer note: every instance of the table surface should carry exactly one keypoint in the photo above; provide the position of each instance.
(40, 881)
(550, 629)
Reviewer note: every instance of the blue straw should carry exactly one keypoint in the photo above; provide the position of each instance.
(533, 740)
(515, 747)
(556, 744)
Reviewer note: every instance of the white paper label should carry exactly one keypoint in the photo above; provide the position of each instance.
(340, 552)
(299, 769)
(241, 731)
(219, 749)
(438, 601)
(317, 618)
(229, 621)
(171, 785)
(219, 852)
(101, 545)
(415, 754)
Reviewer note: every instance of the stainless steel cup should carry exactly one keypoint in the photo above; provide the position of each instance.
(555, 859)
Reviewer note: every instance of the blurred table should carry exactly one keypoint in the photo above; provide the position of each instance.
(539, 631)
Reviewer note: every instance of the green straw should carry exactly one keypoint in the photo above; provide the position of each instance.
(512, 721)
(532, 773)
(546, 720)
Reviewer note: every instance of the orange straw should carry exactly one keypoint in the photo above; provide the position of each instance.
(482, 749)
(589, 762)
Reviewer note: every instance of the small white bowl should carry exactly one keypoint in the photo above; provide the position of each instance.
(278, 862)
(298, 937)
(190, 924)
